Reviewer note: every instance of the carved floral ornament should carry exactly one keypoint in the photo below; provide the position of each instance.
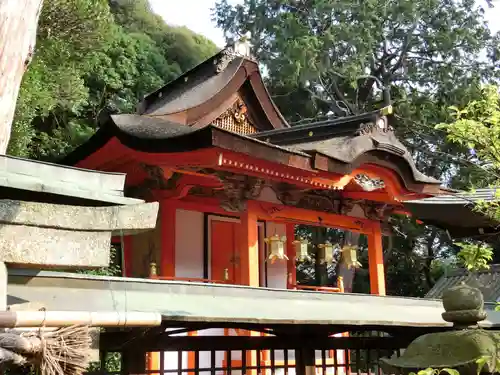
(235, 119)
(237, 112)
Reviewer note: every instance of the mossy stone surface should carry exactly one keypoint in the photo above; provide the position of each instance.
(455, 349)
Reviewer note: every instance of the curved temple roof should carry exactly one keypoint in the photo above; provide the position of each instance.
(456, 214)
(180, 117)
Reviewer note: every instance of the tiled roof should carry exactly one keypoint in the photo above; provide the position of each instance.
(456, 214)
(488, 281)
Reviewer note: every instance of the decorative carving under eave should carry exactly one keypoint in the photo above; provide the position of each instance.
(157, 178)
(289, 198)
(237, 111)
(347, 205)
(235, 119)
(237, 190)
(368, 183)
(310, 201)
(377, 211)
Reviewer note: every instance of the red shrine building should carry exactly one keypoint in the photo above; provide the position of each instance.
(234, 179)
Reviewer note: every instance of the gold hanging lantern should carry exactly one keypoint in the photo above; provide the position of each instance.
(153, 270)
(326, 252)
(301, 249)
(276, 247)
(350, 256)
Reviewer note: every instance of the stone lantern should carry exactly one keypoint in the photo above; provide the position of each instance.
(461, 349)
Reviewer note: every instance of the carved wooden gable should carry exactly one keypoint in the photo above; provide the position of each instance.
(236, 119)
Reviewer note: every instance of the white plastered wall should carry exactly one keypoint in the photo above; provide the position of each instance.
(277, 271)
(189, 244)
(189, 261)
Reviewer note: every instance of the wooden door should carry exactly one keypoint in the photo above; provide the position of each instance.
(223, 251)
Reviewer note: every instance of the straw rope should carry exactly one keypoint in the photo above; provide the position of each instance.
(64, 351)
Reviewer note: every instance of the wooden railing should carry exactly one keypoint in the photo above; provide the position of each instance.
(329, 289)
(188, 279)
(153, 274)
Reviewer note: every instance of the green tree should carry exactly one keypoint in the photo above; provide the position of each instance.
(476, 128)
(328, 59)
(343, 54)
(53, 90)
(95, 55)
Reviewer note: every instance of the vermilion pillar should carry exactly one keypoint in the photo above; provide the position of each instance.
(249, 262)
(167, 223)
(167, 263)
(249, 247)
(290, 253)
(376, 261)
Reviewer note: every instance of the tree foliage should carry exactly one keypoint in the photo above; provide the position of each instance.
(334, 58)
(343, 53)
(476, 128)
(92, 56)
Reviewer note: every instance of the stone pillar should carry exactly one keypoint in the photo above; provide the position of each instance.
(3, 286)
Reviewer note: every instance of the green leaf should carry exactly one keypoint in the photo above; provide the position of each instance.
(450, 371)
(428, 371)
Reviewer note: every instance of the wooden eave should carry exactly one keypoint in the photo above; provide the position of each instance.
(32, 180)
(147, 138)
(194, 97)
(455, 213)
(342, 145)
(221, 305)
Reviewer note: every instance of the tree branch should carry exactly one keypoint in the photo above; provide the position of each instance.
(404, 50)
(336, 93)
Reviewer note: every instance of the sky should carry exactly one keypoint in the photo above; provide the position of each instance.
(196, 15)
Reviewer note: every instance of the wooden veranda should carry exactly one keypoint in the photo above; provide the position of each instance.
(292, 331)
(279, 352)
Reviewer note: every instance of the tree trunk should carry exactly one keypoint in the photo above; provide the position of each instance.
(18, 25)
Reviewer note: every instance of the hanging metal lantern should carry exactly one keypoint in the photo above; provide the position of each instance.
(276, 247)
(350, 256)
(301, 249)
(153, 270)
(326, 252)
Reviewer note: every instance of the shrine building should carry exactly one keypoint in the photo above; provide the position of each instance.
(234, 179)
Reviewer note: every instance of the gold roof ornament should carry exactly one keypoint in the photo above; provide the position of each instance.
(350, 256)
(301, 249)
(326, 252)
(276, 247)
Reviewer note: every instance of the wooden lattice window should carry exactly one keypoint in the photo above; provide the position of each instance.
(235, 119)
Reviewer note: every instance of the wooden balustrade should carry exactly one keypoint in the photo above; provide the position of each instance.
(153, 274)
(330, 289)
